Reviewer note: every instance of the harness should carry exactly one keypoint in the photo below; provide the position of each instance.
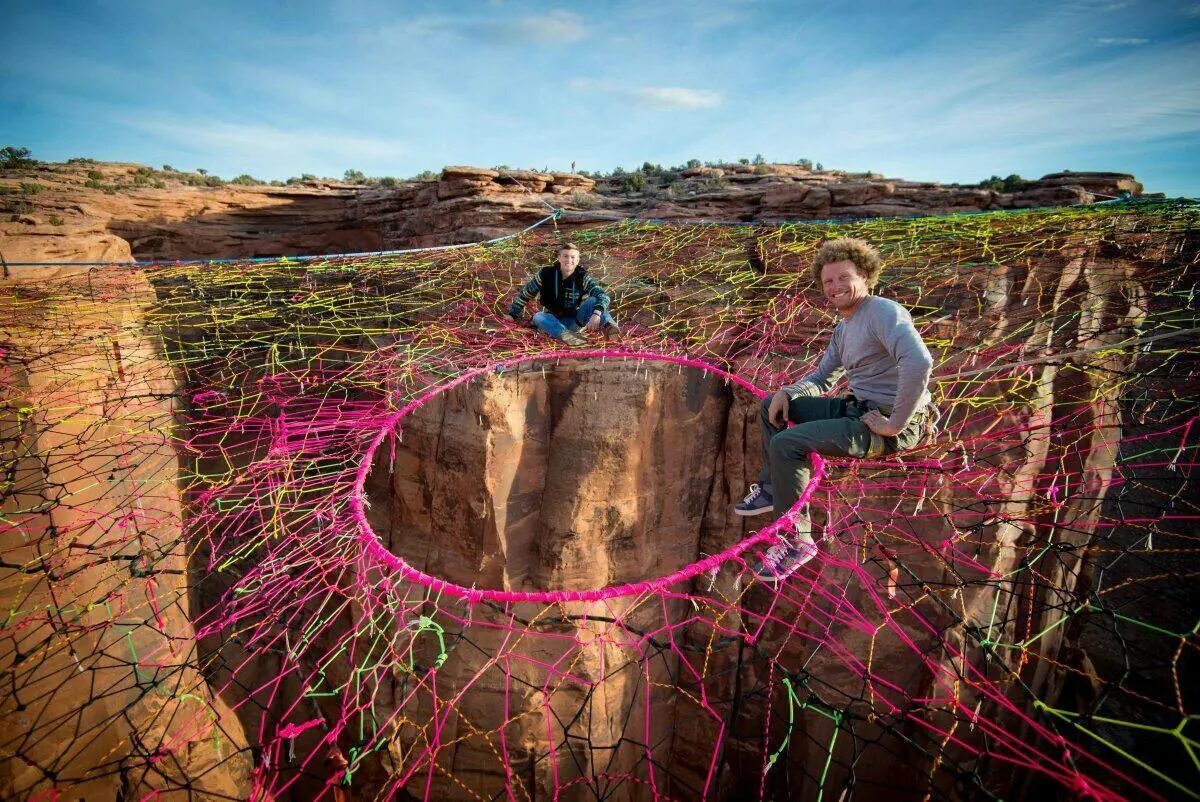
(927, 417)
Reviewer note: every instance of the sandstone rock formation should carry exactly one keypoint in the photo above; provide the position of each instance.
(87, 398)
(112, 219)
(592, 474)
(102, 692)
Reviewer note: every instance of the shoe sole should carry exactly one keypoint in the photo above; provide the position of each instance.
(748, 513)
(778, 578)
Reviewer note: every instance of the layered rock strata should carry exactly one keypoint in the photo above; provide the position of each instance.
(69, 219)
(102, 691)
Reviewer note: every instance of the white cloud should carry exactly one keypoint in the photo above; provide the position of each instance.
(655, 97)
(554, 28)
(715, 18)
(1000, 109)
(272, 149)
(557, 27)
(677, 97)
(1121, 41)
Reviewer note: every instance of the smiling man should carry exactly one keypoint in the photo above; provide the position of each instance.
(888, 367)
(570, 299)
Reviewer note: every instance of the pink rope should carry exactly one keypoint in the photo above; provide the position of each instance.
(375, 549)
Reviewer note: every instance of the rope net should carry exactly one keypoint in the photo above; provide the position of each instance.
(224, 487)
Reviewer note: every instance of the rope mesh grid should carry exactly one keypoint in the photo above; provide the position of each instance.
(1006, 610)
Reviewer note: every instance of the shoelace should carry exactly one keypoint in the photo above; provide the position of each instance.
(774, 556)
(755, 492)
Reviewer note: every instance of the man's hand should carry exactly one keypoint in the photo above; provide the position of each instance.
(593, 322)
(880, 425)
(777, 412)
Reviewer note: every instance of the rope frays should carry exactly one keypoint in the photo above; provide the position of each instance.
(193, 604)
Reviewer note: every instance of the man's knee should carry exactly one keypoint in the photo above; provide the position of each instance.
(788, 445)
(764, 409)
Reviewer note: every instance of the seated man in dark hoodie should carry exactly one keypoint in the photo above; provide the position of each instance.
(570, 298)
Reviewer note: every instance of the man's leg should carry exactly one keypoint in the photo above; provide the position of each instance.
(790, 459)
(549, 324)
(790, 453)
(801, 410)
(585, 311)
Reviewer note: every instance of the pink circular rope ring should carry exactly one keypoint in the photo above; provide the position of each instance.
(374, 548)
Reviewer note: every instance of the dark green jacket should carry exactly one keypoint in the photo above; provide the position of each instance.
(560, 297)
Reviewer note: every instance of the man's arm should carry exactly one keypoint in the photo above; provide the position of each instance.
(524, 295)
(594, 290)
(821, 380)
(895, 329)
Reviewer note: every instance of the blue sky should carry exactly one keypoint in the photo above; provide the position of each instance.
(949, 91)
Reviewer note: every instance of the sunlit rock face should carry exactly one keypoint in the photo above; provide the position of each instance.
(560, 475)
(575, 475)
(589, 474)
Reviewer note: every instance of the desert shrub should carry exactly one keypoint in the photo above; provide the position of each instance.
(80, 160)
(585, 200)
(355, 177)
(245, 180)
(711, 184)
(95, 175)
(635, 182)
(1011, 183)
(55, 220)
(13, 158)
(16, 207)
(31, 188)
(93, 183)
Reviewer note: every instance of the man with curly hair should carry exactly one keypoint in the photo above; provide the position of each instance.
(887, 366)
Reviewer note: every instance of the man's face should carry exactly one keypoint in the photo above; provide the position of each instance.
(843, 285)
(568, 260)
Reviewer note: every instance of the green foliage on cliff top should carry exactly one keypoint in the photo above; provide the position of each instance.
(14, 158)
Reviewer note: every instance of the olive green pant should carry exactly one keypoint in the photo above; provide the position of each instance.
(831, 427)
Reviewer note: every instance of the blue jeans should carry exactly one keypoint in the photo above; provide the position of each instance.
(555, 326)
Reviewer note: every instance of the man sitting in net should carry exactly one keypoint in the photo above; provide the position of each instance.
(570, 298)
(888, 367)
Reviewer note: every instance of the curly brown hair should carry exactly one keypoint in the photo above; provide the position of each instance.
(847, 249)
(567, 246)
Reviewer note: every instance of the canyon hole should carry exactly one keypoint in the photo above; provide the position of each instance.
(569, 474)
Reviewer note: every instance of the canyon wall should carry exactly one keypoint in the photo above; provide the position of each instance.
(67, 219)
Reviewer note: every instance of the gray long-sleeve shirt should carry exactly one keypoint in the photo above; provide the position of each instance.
(883, 355)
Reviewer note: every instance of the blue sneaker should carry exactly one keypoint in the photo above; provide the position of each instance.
(756, 502)
(783, 559)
